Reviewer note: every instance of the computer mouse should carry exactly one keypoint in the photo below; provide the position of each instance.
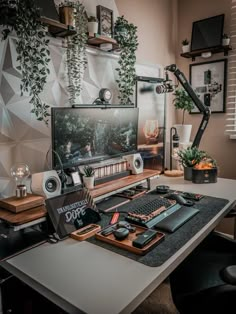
(121, 233)
(179, 199)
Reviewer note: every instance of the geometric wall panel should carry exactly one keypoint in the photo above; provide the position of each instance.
(22, 137)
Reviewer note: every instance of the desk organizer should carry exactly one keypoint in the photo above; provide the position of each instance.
(127, 243)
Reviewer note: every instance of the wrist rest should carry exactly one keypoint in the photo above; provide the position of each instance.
(176, 219)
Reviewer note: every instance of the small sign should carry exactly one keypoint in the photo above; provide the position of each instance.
(71, 211)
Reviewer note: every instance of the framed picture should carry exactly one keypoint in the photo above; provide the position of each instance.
(105, 21)
(208, 80)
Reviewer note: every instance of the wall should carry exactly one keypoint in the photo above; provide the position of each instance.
(22, 137)
(214, 140)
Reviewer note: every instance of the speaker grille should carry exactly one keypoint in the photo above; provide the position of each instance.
(51, 184)
(137, 163)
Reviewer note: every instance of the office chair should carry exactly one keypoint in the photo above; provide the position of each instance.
(206, 281)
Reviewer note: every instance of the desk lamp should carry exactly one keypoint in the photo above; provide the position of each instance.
(20, 173)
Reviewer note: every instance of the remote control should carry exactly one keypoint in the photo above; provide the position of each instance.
(192, 196)
(144, 238)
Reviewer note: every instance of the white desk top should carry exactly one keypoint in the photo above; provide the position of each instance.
(80, 276)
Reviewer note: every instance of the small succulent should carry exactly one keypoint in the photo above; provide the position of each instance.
(191, 156)
(185, 42)
(92, 19)
(88, 171)
(225, 36)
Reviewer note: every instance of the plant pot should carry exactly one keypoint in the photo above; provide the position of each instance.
(186, 48)
(184, 132)
(225, 41)
(93, 27)
(67, 15)
(188, 173)
(88, 182)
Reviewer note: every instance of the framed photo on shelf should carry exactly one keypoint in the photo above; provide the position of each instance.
(105, 21)
(208, 80)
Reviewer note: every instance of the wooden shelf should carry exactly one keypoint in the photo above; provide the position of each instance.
(58, 29)
(96, 40)
(198, 53)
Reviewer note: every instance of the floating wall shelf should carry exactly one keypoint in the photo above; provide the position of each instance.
(198, 53)
(97, 40)
(56, 28)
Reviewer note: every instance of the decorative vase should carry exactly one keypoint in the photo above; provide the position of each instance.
(88, 182)
(93, 27)
(225, 41)
(188, 173)
(186, 48)
(184, 132)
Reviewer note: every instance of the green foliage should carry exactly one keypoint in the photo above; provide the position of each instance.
(225, 36)
(190, 156)
(33, 54)
(88, 171)
(185, 42)
(183, 101)
(128, 43)
(92, 19)
(76, 52)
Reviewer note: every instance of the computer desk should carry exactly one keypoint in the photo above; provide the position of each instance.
(82, 277)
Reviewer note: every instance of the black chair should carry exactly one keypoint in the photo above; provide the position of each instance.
(206, 281)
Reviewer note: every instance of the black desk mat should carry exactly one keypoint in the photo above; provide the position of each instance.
(208, 206)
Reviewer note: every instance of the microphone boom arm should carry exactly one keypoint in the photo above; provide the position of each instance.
(199, 104)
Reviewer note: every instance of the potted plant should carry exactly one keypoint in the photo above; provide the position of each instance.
(88, 176)
(188, 158)
(67, 13)
(185, 45)
(76, 58)
(183, 102)
(32, 51)
(225, 40)
(92, 25)
(128, 43)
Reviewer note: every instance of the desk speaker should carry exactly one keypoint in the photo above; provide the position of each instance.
(135, 163)
(47, 184)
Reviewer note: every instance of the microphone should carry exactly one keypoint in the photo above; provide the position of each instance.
(166, 87)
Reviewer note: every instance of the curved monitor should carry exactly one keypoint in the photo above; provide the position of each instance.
(85, 135)
(207, 33)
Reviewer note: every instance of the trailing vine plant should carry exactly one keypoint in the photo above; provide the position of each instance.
(126, 36)
(76, 57)
(32, 54)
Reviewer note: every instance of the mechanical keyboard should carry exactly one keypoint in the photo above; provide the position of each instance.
(147, 213)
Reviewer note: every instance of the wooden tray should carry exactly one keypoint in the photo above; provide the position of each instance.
(127, 243)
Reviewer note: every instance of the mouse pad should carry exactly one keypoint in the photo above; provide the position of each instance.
(208, 208)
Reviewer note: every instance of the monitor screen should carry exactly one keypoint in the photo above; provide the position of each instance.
(207, 33)
(89, 134)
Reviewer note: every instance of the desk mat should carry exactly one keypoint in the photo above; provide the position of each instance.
(208, 206)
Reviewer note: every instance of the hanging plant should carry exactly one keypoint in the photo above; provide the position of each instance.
(33, 53)
(126, 36)
(76, 57)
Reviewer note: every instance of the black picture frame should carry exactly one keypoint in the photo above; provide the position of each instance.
(105, 21)
(209, 80)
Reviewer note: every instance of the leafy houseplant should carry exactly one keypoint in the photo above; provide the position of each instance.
(76, 51)
(183, 102)
(126, 36)
(88, 171)
(33, 54)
